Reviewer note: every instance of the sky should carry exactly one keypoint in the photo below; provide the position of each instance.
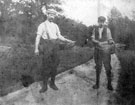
(86, 11)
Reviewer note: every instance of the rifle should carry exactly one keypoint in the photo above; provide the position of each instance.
(110, 48)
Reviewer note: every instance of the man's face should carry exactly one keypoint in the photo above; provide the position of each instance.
(51, 17)
(101, 24)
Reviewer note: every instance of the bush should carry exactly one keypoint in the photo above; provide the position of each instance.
(122, 29)
(126, 81)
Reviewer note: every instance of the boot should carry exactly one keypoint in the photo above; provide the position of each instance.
(109, 85)
(44, 87)
(96, 86)
(53, 85)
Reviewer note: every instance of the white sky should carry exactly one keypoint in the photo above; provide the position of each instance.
(86, 10)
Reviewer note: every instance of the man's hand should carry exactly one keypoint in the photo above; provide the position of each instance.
(73, 42)
(70, 41)
(102, 44)
(110, 42)
(99, 44)
(36, 52)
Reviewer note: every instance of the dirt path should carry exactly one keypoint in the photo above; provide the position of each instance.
(74, 89)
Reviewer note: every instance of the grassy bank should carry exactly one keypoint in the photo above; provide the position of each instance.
(20, 60)
(126, 81)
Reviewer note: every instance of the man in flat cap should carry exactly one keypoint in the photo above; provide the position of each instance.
(47, 45)
(102, 35)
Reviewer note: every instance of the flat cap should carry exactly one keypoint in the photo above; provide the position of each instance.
(51, 11)
(101, 19)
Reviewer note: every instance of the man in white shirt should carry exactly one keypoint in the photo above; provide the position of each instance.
(102, 35)
(50, 39)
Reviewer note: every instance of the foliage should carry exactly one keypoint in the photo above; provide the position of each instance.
(72, 30)
(126, 81)
(122, 29)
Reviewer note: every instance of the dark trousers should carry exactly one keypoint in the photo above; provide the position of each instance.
(100, 58)
(50, 60)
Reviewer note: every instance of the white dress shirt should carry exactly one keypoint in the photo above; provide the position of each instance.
(49, 30)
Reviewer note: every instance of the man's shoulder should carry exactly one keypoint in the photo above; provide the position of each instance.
(55, 24)
(107, 28)
(42, 24)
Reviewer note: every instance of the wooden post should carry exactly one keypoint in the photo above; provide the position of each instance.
(98, 8)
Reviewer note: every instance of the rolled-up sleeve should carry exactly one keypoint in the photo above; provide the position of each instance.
(109, 36)
(40, 30)
(59, 33)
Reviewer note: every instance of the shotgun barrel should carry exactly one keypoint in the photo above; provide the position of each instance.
(110, 48)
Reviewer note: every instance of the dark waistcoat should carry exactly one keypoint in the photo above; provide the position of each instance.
(104, 34)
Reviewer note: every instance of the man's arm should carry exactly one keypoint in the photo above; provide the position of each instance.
(37, 41)
(93, 38)
(95, 41)
(61, 37)
(109, 36)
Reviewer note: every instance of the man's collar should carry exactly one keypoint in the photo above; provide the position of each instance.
(100, 27)
(47, 21)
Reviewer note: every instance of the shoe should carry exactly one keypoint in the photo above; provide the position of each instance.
(43, 89)
(109, 87)
(95, 86)
(53, 86)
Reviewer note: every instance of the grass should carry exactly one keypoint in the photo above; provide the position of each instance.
(126, 81)
(21, 60)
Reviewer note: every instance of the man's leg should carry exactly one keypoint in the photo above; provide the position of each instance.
(55, 62)
(45, 74)
(52, 82)
(107, 65)
(98, 67)
(44, 85)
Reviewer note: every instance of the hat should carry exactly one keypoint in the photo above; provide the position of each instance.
(101, 19)
(51, 11)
